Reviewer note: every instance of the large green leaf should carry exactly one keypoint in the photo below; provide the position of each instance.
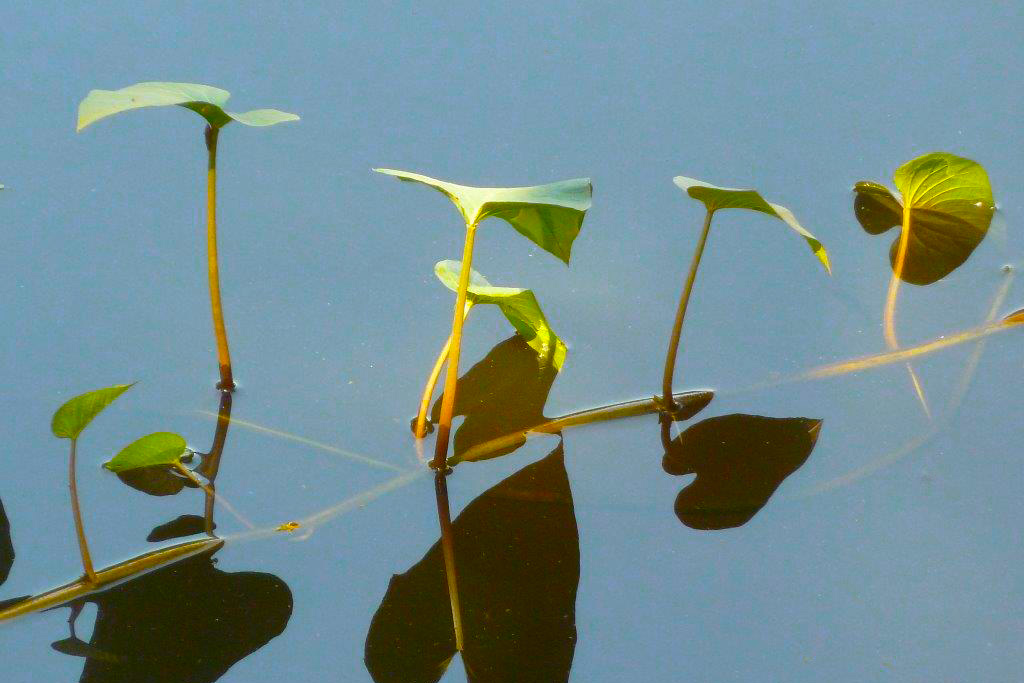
(951, 208)
(548, 215)
(519, 306)
(152, 450)
(715, 198)
(205, 100)
(75, 415)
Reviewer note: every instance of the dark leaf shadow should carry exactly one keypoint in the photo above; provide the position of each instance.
(6, 547)
(184, 525)
(739, 460)
(503, 393)
(517, 553)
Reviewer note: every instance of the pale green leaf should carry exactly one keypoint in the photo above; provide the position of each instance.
(715, 198)
(205, 100)
(159, 448)
(548, 215)
(519, 306)
(75, 415)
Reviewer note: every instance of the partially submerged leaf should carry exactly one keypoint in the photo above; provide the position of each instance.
(159, 448)
(75, 415)
(519, 306)
(951, 208)
(739, 461)
(715, 198)
(205, 100)
(548, 215)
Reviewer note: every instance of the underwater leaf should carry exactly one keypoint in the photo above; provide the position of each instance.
(951, 208)
(75, 415)
(156, 481)
(159, 448)
(548, 215)
(519, 306)
(205, 100)
(518, 560)
(739, 461)
(715, 198)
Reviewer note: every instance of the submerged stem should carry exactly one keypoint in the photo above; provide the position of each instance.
(83, 544)
(227, 382)
(420, 430)
(677, 328)
(211, 466)
(448, 550)
(444, 423)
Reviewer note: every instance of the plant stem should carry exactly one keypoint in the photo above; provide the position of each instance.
(212, 462)
(420, 430)
(448, 550)
(677, 328)
(227, 382)
(83, 544)
(444, 423)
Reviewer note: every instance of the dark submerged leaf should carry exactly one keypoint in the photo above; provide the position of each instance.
(6, 547)
(185, 525)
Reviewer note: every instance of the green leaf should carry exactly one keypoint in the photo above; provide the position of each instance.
(951, 208)
(715, 198)
(519, 306)
(205, 100)
(548, 215)
(159, 448)
(75, 415)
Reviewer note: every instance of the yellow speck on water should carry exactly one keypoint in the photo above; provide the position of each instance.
(288, 527)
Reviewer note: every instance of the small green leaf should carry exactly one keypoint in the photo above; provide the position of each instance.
(715, 198)
(159, 448)
(205, 100)
(519, 306)
(548, 215)
(75, 415)
(951, 208)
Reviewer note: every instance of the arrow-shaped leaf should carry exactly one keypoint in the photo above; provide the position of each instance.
(75, 415)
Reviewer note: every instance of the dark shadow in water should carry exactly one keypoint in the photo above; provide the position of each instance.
(517, 554)
(504, 392)
(939, 242)
(189, 622)
(739, 461)
(184, 525)
(6, 547)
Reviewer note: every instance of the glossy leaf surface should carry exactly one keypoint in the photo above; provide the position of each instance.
(951, 208)
(519, 306)
(739, 461)
(548, 215)
(205, 100)
(159, 448)
(517, 553)
(715, 198)
(74, 416)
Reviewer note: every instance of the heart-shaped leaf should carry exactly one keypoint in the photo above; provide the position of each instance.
(548, 215)
(152, 450)
(205, 100)
(950, 205)
(75, 415)
(519, 306)
(739, 461)
(715, 198)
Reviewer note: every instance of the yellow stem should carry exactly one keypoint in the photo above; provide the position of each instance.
(444, 425)
(420, 430)
(83, 544)
(227, 382)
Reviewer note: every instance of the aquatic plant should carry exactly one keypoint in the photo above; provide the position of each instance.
(716, 198)
(208, 102)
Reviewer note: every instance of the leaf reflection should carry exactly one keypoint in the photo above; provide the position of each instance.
(517, 550)
(6, 547)
(504, 392)
(739, 461)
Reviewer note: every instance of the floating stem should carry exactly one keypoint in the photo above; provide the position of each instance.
(83, 544)
(448, 550)
(677, 328)
(444, 424)
(227, 382)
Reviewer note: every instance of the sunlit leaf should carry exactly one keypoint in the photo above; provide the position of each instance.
(715, 198)
(205, 100)
(519, 306)
(548, 215)
(739, 461)
(159, 448)
(75, 415)
(518, 562)
(951, 208)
